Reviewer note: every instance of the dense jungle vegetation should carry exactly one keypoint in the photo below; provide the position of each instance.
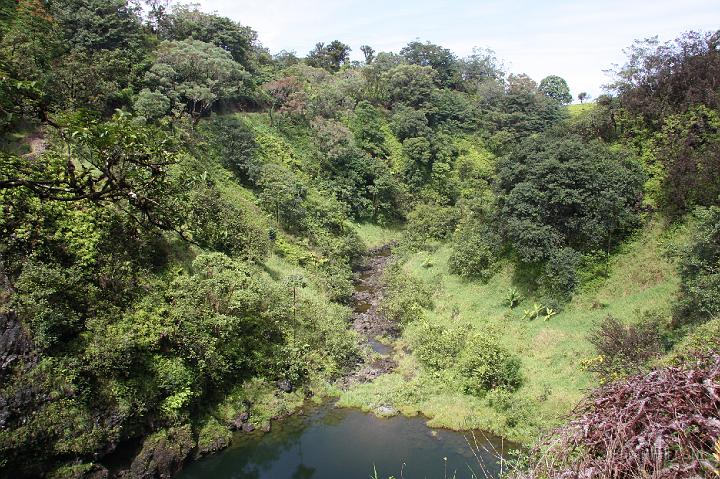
(182, 211)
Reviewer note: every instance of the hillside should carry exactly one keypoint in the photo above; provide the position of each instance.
(200, 237)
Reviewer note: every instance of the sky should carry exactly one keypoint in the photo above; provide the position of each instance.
(577, 40)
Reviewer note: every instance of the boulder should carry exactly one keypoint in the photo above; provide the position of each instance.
(163, 454)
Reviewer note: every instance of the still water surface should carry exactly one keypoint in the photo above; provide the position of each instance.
(329, 443)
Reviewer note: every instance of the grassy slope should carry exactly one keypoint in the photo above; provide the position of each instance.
(577, 108)
(641, 278)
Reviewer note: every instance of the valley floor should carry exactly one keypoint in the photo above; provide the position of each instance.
(642, 280)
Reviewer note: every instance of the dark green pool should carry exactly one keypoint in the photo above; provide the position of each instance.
(328, 443)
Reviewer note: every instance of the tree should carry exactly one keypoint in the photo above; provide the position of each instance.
(331, 57)
(556, 88)
(558, 192)
(440, 59)
(582, 96)
(187, 22)
(523, 110)
(195, 74)
(279, 92)
(480, 67)
(410, 84)
(369, 53)
(660, 80)
(118, 161)
(700, 286)
(100, 24)
(366, 127)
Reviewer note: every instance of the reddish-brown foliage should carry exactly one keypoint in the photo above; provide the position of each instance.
(660, 425)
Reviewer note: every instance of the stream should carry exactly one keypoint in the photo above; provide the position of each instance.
(324, 442)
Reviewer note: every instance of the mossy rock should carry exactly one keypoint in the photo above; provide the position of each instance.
(79, 471)
(213, 437)
(163, 453)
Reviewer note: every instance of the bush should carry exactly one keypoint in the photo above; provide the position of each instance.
(703, 340)
(559, 191)
(220, 225)
(654, 425)
(486, 365)
(428, 223)
(475, 251)
(624, 350)
(437, 347)
(559, 277)
(700, 277)
(405, 296)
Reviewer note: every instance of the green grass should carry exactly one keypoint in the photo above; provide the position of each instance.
(373, 235)
(577, 109)
(641, 278)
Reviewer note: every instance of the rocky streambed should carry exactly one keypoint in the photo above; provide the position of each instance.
(369, 320)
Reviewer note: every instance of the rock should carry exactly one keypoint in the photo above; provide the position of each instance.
(285, 386)
(266, 427)
(15, 342)
(163, 453)
(244, 416)
(247, 427)
(386, 411)
(213, 437)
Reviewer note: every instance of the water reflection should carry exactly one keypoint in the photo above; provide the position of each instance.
(330, 443)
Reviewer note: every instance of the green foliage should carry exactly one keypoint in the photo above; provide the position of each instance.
(220, 225)
(436, 347)
(512, 298)
(99, 24)
(688, 148)
(410, 84)
(330, 57)
(212, 437)
(366, 127)
(427, 222)
(703, 340)
(51, 300)
(562, 196)
(406, 297)
(193, 75)
(700, 288)
(559, 278)
(556, 88)
(475, 250)
(486, 365)
(186, 22)
(441, 60)
(135, 248)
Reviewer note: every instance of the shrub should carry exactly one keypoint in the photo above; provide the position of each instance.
(512, 298)
(559, 277)
(405, 297)
(699, 273)
(703, 340)
(213, 437)
(486, 365)
(428, 223)
(475, 250)
(221, 225)
(624, 349)
(660, 424)
(437, 347)
(51, 300)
